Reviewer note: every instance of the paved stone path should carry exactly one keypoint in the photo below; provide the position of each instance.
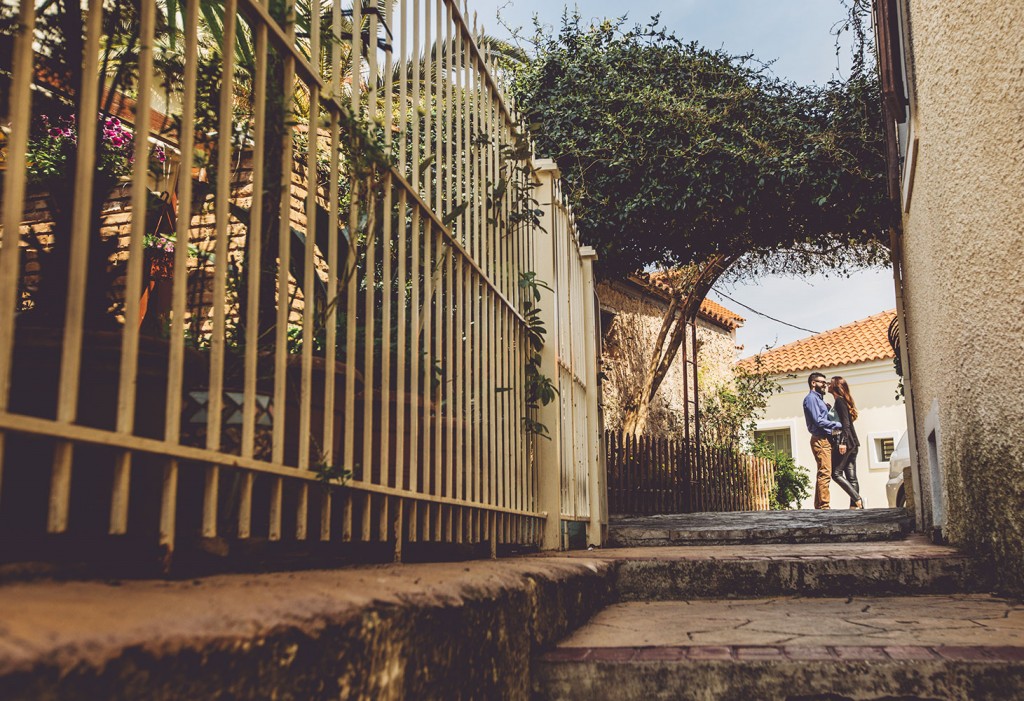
(788, 619)
(930, 621)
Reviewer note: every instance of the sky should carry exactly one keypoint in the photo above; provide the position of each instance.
(795, 35)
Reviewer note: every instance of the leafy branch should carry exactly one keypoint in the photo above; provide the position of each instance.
(540, 389)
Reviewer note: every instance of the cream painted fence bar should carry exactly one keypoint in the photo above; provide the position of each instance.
(296, 312)
(570, 309)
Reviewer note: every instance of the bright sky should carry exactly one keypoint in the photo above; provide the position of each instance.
(796, 35)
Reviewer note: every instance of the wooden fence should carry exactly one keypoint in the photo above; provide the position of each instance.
(659, 476)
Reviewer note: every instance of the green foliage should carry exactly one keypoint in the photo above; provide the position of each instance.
(900, 391)
(673, 152)
(330, 476)
(729, 412)
(540, 389)
(792, 482)
(53, 149)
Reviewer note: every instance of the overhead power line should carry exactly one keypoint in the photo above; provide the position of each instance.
(766, 316)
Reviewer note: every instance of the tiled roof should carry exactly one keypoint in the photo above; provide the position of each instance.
(857, 342)
(717, 312)
(712, 311)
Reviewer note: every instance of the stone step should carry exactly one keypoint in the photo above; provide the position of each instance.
(966, 646)
(429, 631)
(913, 566)
(759, 527)
(909, 566)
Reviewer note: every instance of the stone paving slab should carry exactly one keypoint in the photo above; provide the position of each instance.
(913, 546)
(963, 647)
(739, 527)
(796, 653)
(732, 673)
(870, 622)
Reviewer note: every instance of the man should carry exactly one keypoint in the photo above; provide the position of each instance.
(821, 428)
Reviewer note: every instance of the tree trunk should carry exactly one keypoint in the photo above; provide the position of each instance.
(687, 297)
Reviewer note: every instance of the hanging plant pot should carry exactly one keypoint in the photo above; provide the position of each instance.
(160, 264)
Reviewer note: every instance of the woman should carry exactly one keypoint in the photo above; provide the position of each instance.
(846, 444)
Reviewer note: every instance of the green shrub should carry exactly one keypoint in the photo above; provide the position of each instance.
(792, 482)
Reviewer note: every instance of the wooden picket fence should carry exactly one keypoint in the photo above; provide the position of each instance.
(659, 476)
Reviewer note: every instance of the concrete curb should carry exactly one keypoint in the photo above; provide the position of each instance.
(392, 632)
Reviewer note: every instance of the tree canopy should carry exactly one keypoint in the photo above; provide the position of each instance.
(674, 153)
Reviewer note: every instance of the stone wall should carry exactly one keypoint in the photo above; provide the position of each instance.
(963, 245)
(628, 346)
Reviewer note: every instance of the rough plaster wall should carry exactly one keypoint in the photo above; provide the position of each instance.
(963, 249)
(629, 345)
(717, 351)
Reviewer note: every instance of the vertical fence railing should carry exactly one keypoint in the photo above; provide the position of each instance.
(659, 476)
(569, 359)
(293, 312)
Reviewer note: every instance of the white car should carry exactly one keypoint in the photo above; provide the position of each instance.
(899, 459)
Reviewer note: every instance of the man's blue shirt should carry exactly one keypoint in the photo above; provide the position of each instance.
(816, 416)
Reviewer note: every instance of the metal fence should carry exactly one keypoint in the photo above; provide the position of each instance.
(571, 359)
(656, 476)
(308, 319)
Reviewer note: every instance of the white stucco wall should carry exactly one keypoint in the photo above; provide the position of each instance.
(963, 247)
(873, 386)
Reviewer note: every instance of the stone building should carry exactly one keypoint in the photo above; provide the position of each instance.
(953, 83)
(632, 311)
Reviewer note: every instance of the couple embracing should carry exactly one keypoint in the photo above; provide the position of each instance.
(833, 439)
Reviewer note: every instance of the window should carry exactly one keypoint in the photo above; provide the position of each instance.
(884, 448)
(778, 439)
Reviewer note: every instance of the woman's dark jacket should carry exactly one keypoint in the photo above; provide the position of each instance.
(849, 434)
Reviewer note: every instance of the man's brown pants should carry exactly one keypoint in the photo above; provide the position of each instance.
(822, 449)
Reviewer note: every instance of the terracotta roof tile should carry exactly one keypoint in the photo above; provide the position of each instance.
(713, 311)
(716, 311)
(857, 342)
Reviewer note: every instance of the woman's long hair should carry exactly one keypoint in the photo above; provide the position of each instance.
(839, 388)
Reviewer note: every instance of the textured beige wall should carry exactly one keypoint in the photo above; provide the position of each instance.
(964, 267)
(628, 347)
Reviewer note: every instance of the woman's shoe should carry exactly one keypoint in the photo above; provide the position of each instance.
(858, 504)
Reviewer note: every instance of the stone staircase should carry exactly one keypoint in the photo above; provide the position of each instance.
(797, 605)
(790, 619)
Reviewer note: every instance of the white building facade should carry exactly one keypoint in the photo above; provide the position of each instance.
(875, 388)
(881, 421)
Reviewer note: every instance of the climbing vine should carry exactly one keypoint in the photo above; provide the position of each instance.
(540, 389)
